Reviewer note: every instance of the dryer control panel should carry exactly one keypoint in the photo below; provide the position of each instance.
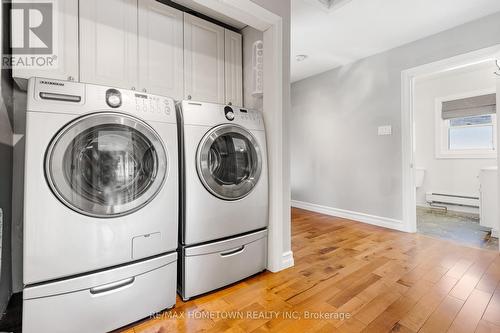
(210, 114)
(238, 114)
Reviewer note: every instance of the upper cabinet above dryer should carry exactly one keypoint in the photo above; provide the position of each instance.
(64, 46)
(233, 68)
(203, 60)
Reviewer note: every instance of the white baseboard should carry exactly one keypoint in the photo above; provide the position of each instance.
(351, 215)
(287, 260)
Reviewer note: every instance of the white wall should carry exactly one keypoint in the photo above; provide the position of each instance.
(337, 158)
(453, 176)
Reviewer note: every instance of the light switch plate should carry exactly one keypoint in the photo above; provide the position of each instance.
(385, 130)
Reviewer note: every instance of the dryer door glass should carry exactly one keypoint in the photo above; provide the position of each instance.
(229, 162)
(106, 164)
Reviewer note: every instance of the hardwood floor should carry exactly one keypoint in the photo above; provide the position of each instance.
(380, 281)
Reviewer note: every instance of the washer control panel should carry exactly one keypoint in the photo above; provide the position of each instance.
(55, 96)
(151, 104)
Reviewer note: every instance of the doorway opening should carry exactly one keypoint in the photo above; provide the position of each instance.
(452, 183)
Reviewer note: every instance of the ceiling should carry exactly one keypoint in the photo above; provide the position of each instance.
(360, 28)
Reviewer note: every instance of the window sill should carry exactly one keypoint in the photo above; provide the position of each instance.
(467, 155)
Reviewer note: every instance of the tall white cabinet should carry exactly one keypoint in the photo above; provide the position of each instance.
(65, 47)
(160, 49)
(203, 60)
(108, 42)
(233, 73)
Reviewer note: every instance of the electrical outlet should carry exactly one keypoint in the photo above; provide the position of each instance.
(385, 130)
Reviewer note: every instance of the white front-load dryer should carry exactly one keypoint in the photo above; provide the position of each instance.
(101, 178)
(225, 172)
(224, 210)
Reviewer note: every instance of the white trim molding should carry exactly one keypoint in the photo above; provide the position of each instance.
(407, 120)
(287, 260)
(380, 221)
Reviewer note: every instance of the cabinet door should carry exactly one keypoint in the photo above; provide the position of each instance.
(160, 49)
(65, 45)
(233, 68)
(108, 42)
(203, 60)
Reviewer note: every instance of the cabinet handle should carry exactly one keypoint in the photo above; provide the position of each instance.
(189, 96)
(70, 78)
(133, 88)
(144, 90)
(230, 103)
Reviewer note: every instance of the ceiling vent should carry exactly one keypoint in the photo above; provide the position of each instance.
(329, 5)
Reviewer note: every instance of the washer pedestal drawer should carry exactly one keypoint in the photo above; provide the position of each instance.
(211, 266)
(101, 301)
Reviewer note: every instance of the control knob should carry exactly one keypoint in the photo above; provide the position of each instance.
(113, 98)
(228, 111)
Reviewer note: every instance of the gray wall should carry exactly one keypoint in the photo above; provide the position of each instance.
(19, 106)
(282, 8)
(6, 188)
(6, 121)
(337, 158)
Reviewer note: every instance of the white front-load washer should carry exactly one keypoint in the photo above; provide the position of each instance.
(100, 203)
(224, 203)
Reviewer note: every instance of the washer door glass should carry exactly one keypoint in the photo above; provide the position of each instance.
(106, 164)
(229, 162)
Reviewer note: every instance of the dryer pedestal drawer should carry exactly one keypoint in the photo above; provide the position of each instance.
(211, 266)
(102, 301)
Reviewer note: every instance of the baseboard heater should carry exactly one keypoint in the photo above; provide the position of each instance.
(440, 199)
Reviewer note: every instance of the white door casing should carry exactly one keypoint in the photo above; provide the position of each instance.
(497, 73)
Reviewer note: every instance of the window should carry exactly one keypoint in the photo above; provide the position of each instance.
(466, 128)
(471, 133)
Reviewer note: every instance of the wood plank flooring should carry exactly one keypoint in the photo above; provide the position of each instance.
(365, 278)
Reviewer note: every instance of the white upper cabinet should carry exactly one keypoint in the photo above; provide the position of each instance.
(160, 49)
(203, 60)
(108, 42)
(65, 46)
(233, 68)
(142, 45)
